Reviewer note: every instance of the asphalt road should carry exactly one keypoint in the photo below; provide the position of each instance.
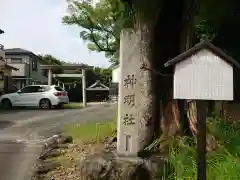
(31, 126)
(34, 123)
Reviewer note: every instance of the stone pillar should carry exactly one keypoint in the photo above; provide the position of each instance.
(84, 97)
(49, 76)
(134, 129)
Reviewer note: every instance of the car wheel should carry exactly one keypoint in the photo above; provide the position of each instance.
(45, 104)
(6, 104)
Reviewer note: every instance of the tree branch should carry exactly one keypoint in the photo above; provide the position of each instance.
(108, 49)
(104, 29)
(95, 41)
(97, 44)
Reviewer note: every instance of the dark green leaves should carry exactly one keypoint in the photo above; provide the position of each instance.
(101, 24)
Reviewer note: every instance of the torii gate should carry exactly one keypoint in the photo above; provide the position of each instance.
(77, 67)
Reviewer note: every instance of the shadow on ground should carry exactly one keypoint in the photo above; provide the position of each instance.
(21, 109)
(13, 110)
(5, 124)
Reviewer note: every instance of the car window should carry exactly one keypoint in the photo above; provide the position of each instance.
(57, 88)
(40, 89)
(35, 89)
(30, 89)
(43, 88)
(46, 88)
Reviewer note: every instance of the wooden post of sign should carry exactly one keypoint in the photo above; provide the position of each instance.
(201, 139)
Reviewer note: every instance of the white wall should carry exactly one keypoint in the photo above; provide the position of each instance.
(21, 69)
(2, 53)
(116, 75)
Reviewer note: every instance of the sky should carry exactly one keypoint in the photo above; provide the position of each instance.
(36, 25)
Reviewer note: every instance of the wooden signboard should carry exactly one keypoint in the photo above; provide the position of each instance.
(202, 73)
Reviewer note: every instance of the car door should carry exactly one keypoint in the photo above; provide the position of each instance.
(32, 95)
(35, 95)
(19, 99)
(26, 96)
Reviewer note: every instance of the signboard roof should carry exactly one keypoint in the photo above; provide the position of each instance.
(203, 45)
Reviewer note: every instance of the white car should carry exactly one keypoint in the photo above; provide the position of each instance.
(42, 96)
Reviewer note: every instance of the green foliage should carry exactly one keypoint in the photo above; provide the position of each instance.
(222, 164)
(210, 19)
(204, 30)
(49, 59)
(101, 24)
(104, 75)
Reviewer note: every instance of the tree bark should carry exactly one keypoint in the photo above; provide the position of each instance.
(146, 129)
(189, 10)
(167, 40)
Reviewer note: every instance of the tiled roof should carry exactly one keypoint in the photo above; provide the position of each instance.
(17, 50)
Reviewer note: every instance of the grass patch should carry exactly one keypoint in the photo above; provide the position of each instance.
(91, 131)
(73, 105)
(222, 163)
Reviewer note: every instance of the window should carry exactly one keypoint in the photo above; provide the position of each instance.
(46, 88)
(35, 89)
(43, 88)
(34, 65)
(30, 89)
(16, 60)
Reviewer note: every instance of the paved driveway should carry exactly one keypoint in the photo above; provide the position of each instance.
(18, 157)
(44, 123)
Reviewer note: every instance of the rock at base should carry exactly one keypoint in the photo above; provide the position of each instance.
(46, 166)
(107, 166)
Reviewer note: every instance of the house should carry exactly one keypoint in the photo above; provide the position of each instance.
(5, 72)
(28, 64)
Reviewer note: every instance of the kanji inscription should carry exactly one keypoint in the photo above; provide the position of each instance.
(130, 81)
(128, 119)
(127, 145)
(129, 99)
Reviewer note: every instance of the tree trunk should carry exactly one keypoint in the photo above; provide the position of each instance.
(167, 42)
(146, 129)
(187, 22)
